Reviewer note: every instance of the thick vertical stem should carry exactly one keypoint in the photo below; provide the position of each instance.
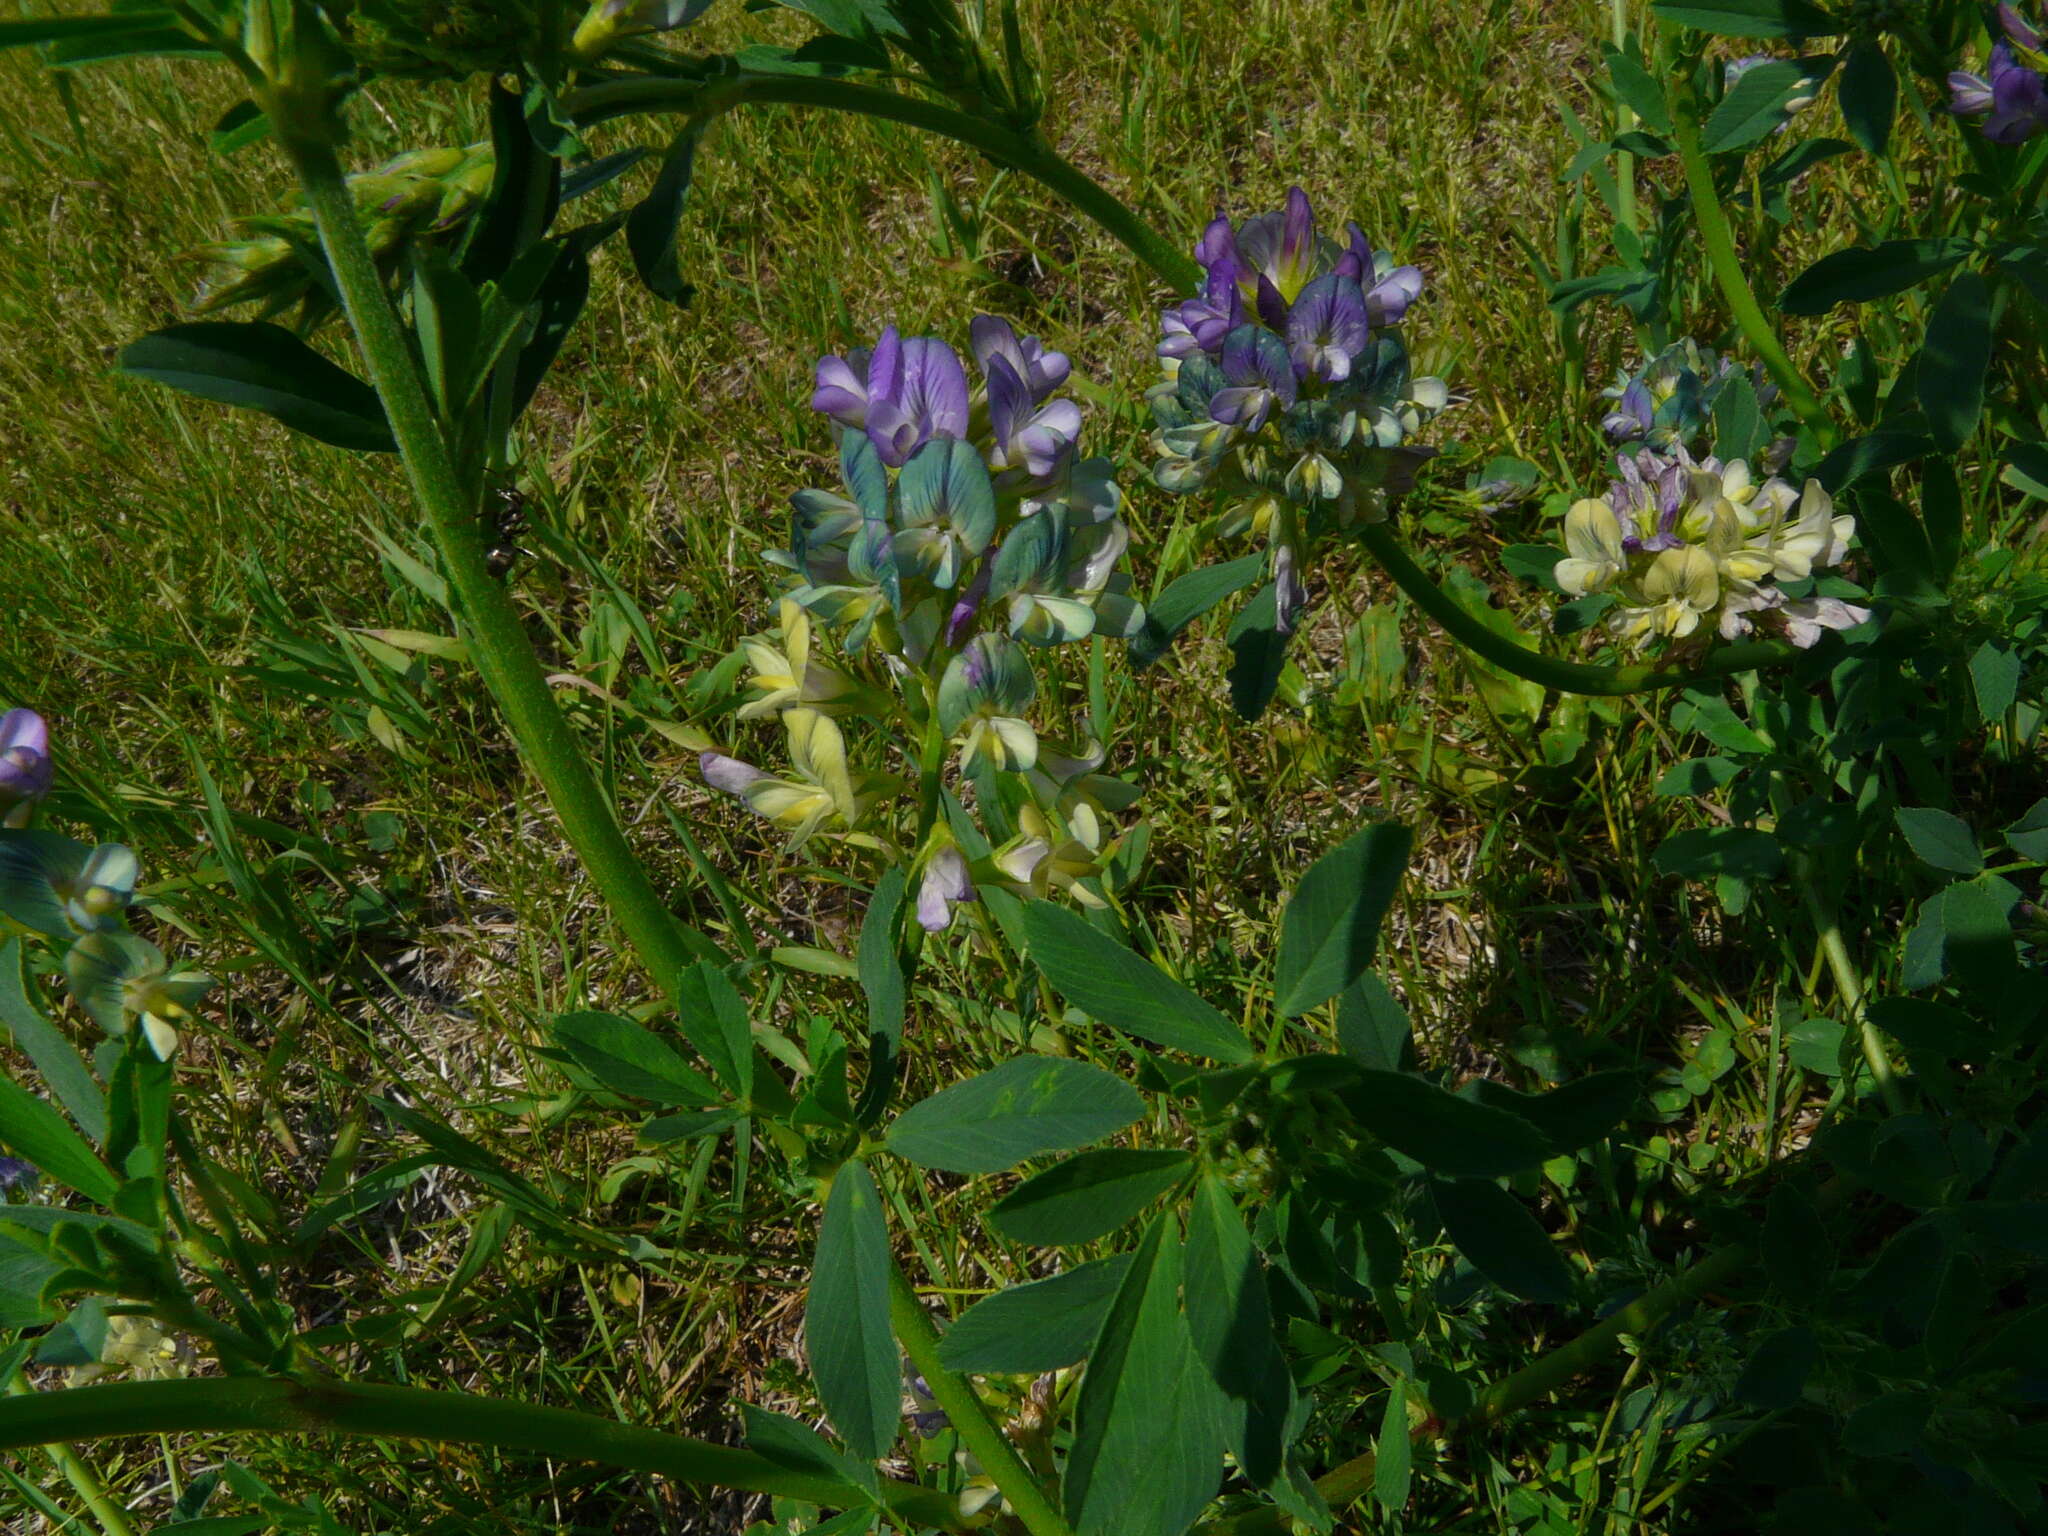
(497, 638)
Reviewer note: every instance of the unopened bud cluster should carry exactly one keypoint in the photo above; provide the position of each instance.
(423, 198)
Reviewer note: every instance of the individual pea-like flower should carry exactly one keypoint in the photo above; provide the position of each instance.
(2012, 96)
(118, 978)
(1677, 541)
(945, 883)
(26, 770)
(18, 1177)
(901, 393)
(61, 887)
(982, 697)
(1052, 853)
(610, 22)
(785, 676)
(823, 791)
(1287, 389)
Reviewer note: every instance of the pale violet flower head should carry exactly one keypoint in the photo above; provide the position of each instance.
(1679, 542)
(26, 771)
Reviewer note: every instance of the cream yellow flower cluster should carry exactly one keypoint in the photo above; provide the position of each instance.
(1680, 543)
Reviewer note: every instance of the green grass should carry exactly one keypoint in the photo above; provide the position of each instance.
(393, 913)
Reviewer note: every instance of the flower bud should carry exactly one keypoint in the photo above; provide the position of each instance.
(25, 766)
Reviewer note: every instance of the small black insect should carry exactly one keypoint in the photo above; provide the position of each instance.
(504, 522)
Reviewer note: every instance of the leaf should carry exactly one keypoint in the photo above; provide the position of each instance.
(1504, 1242)
(1698, 776)
(1869, 95)
(1332, 923)
(1186, 598)
(1941, 517)
(1119, 988)
(1748, 18)
(1711, 716)
(1087, 1196)
(23, 1274)
(1954, 359)
(1441, 1130)
(631, 1059)
(1755, 106)
(1870, 455)
(1044, 1325)
(794, 1444)
(1372, 1027)
(49, 29)
(1869, 272)
(1776, 1373)
(1393, 1454)
(1230, 1324)
(712, 1016)
(1963, 931)
(1637, 89)
(2028, 837)
(1023, 1108)
(1940, 838)
(846, 1317)
(1258, 654)
(263, 367)
(1533, 563)
(1739, 425)
(881, 978)
(651, 226)
(1572, 1115)
(60, 1066)
(1148, 1426)
(1995, 672)
(240, 126)
(31, 1130)
(1747, 853)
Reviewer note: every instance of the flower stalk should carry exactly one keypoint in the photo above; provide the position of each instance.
(1726, 263)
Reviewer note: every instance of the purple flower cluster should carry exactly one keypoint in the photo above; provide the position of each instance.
(2013, 100)
(1320, 301)
(1287, 387)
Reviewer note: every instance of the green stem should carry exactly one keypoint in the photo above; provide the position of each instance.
(1028, 154)
(274, 1406)
(498, 640)
(1547, 671)
(111, 1515)
(1726, 263)
(964, 1410)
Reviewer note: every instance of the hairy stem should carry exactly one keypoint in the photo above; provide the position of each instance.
(498, 639)
(964, 1410)
(274, 1406)
(1547, 671)
(1726, 263)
